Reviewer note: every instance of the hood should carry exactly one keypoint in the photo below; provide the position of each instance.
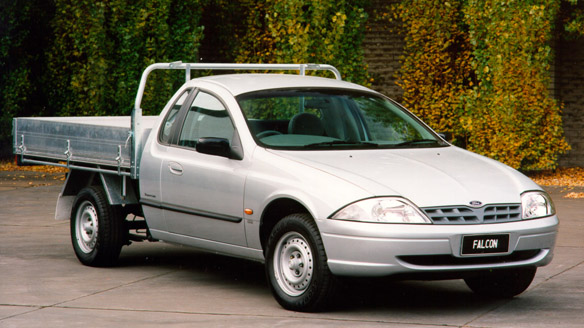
(426, 176)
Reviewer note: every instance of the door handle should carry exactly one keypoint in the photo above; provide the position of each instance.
(175, 168)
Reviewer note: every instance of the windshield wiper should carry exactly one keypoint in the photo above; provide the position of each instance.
(341, 142)
(416, 142)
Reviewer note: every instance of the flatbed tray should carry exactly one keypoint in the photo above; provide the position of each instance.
(95, 140)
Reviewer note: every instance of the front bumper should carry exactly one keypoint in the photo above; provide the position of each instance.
(372, 249)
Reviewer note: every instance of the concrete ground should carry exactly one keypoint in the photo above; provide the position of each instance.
(43, 285)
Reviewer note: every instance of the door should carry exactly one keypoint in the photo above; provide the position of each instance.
(202, 195)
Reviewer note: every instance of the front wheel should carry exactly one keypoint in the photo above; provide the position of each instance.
(502, 284)
(296, 265)
(97, 228)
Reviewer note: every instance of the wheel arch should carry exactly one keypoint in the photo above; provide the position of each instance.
(77, 180)
(275, 211)
(118, 191)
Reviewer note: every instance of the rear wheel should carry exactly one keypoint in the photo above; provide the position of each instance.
(296, 265)
(97, 228)
(503, 283)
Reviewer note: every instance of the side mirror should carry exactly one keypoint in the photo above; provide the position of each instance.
(216, 146)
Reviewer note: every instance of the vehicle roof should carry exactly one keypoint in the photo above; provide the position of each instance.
(243, 83)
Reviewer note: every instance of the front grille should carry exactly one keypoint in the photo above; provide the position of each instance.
(470, 215)
(498, 213)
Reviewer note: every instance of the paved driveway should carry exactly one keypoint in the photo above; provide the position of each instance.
(43, 285)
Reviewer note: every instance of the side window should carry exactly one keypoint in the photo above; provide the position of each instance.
(166, 130)
(207, 117)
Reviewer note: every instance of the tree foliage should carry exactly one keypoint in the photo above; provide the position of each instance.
(482, 73)
(476, 69)
(102, 47)
(306, 31)
(436, 68)
(23, 41)
(572, 16)
(510, 115)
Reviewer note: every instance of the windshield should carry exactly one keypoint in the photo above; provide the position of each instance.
(325, 119)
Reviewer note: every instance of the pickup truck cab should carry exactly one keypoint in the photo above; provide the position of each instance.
(318, 178)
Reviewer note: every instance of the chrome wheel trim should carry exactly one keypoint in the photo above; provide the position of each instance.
(293, 264)
(86, 227)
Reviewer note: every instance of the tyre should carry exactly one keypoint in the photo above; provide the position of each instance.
(97, 229)
(296, 265)
(503, 283)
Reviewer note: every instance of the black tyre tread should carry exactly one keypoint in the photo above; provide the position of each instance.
(111, 231)
(315, 299)
(503, 283)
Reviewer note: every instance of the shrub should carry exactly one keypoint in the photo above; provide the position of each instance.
(24, 37)
(480, 69)
(306, 31)
(436, 69)
(510, 115)
(102, 47)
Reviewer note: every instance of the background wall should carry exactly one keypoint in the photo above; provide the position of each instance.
(383, 47)
(569, 89)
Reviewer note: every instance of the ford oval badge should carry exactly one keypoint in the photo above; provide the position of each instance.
(475, 203)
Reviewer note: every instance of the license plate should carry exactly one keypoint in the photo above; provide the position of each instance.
(485, 244)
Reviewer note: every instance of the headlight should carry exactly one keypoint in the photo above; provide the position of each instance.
(383, 210)
(536, 204)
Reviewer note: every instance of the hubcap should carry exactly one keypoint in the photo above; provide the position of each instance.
(293, 264)
(86, 227)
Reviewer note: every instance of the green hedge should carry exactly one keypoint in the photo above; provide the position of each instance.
(477, 69)
(85, 57)
(480, 69)
(510, 115)
(306, 31)
(24, 38)
(101, 49)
